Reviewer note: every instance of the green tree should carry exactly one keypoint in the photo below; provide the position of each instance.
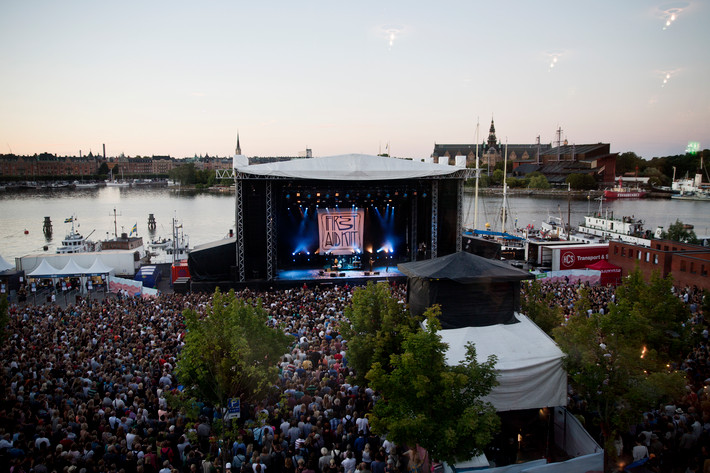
(581, 181)
(613, 360)
(541, 308)
(538, 181)
(230, 352)
(497, 177)
(185, 174)
(378, 324)
(678, 232)
(103, 169)
(427, 402)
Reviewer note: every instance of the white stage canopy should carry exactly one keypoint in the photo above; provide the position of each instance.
(530, 371)
(349, 167)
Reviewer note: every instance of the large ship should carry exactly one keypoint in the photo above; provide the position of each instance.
(621, 192)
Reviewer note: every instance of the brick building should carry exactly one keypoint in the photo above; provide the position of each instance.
(689, 264)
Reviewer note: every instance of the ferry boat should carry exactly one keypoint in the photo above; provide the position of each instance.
(603, 226)
(621, 192)
(74, 242)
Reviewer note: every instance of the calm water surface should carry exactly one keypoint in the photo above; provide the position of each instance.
(208, 217)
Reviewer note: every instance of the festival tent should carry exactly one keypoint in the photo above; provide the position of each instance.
(610, 274)
(44, 270)
(529, 366)
(99, 268)
(72, 269)
(471, 290)
(5, 265)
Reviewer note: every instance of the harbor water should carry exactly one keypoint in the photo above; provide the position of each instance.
(207, 217)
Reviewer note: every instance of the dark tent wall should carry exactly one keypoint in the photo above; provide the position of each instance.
(472, 291)
(465, 305)
(214, 261)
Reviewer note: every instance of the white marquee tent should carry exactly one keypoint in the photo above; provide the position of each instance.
(5, 265)
(530, 371)
(44, 270)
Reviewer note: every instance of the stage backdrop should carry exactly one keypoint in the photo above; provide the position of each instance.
(340, 230)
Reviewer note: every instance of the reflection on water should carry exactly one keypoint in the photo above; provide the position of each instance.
(209, 217)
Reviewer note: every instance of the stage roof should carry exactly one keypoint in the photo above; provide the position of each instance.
(350, 167)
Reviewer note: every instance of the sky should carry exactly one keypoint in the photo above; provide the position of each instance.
(182, 78)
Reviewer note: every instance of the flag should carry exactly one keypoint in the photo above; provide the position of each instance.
(135, 229)
(69, 220)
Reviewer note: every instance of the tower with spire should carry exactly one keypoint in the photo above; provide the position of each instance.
(492, 140)
(238, 151)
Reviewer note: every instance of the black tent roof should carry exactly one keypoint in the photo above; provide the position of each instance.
(464, 268)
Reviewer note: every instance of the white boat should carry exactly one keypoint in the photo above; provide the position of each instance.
(160, 244)
(85, 185)
(603, 226)
(74, 242)
(116, 183)
(691, 189)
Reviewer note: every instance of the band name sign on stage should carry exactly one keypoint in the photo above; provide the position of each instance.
(340, 231)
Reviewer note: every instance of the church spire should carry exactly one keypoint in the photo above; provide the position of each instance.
(492, 140)
(238, 151)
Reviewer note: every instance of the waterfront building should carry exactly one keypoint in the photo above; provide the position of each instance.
(688, 264)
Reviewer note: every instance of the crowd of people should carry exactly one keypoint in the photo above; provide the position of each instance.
(86, 388)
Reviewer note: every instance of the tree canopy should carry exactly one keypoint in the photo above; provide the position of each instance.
(427, 402)
(619, 361)
(378, 323)
(230, 351)
(679, 232)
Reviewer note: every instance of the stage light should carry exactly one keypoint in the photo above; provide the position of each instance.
(368, 196)
(347, 196)
(288, 196)
(309, 196)
(298, 194)
(405, 194)
(317, 194)
(424, 194)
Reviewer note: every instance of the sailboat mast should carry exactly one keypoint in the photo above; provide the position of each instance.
(505, 185)
(478, 175)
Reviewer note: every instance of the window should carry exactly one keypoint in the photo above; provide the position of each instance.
(623, 251)
(616, 250)
(692, 267)
(648, 256)
(682, 266)
(640, 254)
(631, 253)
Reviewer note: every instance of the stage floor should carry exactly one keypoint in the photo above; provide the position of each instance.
(320, 274)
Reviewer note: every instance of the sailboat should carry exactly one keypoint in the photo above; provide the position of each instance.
(489, 243)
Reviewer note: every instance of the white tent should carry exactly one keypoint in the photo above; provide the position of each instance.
(349, 167)
(73, 269)
(99, 267)
(5, 265)
(530, 371)
(44, 270)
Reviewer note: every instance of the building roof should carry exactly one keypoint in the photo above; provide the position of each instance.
(350, 167)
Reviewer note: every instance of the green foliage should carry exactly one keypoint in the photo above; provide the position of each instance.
(514, 182)
(618, 362)
(541, 308)
(538, 181)
(103, 169)
(678, 232)
(427, 402)
(497, 177)
(4, 317)
(629, 162)
(185, 174)
(230, 351)
(581, 181)
(378, 324)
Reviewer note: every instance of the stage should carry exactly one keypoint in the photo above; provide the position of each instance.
(321, 274)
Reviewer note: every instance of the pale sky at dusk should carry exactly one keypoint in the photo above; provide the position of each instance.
(181, 78)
